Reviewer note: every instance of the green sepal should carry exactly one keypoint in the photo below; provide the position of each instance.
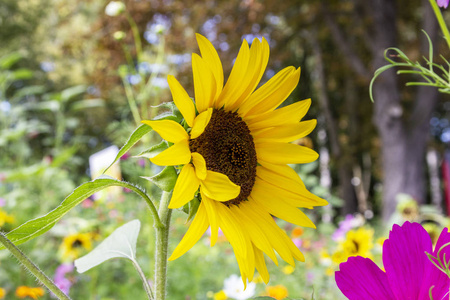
(133, 139)
(175, 114)
(165, 180)
(192, 207)
(154, 150)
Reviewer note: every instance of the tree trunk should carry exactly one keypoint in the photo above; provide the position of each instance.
(404, 140)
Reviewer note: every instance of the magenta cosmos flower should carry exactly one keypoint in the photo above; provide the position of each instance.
(409, 273)
(443, 3)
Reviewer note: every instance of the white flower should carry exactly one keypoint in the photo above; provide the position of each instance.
(114, 8)
(234, 288)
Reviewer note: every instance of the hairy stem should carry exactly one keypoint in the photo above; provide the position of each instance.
(30, 266)
(162, 242)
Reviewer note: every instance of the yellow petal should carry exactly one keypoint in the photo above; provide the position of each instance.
(258, 237)
(289, 114)
(200, 123)
(185, 187)
(237, 76)
(290, 190)
(272, 93)
(210, 56)
(211, 211)
(284, 153)
(219, 187)
(204, 84)
(280, 209)
(232, 231)
(182, 100)
(169, 130)
(286, 133)
(259, 56)
(261, 265)
(194, 233)
(178, 154)
(273, 232)
(200, 165)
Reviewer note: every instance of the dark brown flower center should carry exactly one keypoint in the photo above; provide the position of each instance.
(227, 147)
(77, 243)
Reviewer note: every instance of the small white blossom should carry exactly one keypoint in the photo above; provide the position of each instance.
(234, 288)
(114, 8)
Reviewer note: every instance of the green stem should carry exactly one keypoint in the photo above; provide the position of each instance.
(162, 242)
(147, 288)
(30, 266)
(437, 12)
(136, 36)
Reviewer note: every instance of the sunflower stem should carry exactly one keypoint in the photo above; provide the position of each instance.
(162, 242)
(30, 266)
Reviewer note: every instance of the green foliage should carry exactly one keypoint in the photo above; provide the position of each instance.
(39, 226)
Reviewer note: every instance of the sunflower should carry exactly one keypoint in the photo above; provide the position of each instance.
(74, 245)
(235, 151)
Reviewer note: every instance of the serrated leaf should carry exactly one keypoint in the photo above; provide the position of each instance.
(165, 179)
(119, 244)
(133, 139)
(39, 226)
(154, 150)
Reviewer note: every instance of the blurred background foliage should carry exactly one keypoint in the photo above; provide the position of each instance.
(74, 80)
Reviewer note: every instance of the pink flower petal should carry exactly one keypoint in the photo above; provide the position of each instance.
(360, 278)
(405, 260)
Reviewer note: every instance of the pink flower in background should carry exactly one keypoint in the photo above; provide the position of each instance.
(443, 3)
(60, 277)
(409, 273)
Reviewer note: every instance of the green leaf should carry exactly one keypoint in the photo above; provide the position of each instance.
(119, 244)
(21, 74)
(165, 180)
(72, 92)
(263, 298)
(9, 60)
(87, 103)
(133, 139)
(39, 226)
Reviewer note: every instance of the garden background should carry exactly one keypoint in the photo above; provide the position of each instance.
(70, 87)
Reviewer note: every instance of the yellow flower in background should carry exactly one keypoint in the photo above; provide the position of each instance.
(25, 291)
(357, 243)
(5, 218)
(433, 230)
(220, 296)
(288, 269)
(236, 151)
(278, 292)
(2, 293)
(75, 244)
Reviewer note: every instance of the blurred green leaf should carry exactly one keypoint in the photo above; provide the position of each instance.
(165, 180)
(9, 60)
(120, 244)
(39, 226)
(30, 90)
(72, 92)
(87, 103)
(133, 139)
(21, 74)
(263, 298)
